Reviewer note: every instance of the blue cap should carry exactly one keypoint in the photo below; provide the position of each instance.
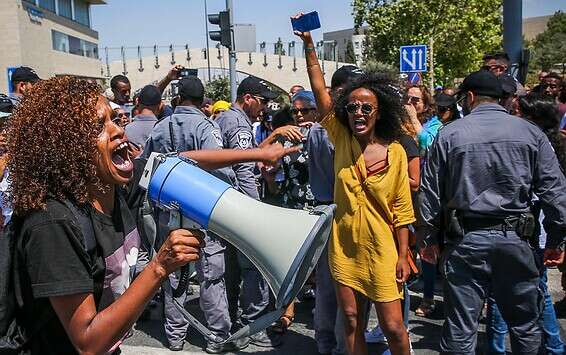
(306, 96)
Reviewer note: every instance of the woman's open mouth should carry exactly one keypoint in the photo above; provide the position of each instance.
(360, 124)
(121, 158)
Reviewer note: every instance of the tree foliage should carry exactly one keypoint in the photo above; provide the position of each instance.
(462, 31)
(218, 89)
(549, 47)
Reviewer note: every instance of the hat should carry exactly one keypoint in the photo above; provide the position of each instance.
(305, 95)
(25, 74)
(444, 100)
(255, 86)
(220, 105)
(191, 87)
(149, 96)
(345, 74)
(483, 83)
(508, 84)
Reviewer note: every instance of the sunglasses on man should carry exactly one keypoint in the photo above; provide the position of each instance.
(303, 111)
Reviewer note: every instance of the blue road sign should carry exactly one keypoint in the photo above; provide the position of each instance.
(9, 72)
(412, 58)
(414, 78)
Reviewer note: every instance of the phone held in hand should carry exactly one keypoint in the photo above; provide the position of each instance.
(306, 23)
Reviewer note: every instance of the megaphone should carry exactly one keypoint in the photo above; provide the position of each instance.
(284, 244)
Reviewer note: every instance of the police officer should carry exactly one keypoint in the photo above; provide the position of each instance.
(189, 129)
(253, 95)
(22, 80)
(480, 174)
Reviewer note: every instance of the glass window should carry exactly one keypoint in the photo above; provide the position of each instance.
(47, 5)
(90, 50)
(60, 41)
(65, 8)
(75, 46)
(81, 12)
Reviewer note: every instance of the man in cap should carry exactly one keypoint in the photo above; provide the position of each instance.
(149, 105)
(253, 94)
(189, 129)
(22, 79)
(478, 181)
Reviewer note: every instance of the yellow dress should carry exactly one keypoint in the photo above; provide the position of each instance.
(362, 251)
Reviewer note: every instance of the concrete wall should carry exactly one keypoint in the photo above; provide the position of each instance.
(283, 75)
(30, 44)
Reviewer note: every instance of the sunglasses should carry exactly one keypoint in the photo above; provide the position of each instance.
(353, 107)
(414, 99)
(303, 111)
(442, 109)
(262, 100)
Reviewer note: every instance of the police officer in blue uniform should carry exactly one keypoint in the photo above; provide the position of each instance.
(189, 129)
(253, 94)
(478, 182)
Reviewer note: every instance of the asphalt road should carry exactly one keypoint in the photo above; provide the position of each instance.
(149, 338)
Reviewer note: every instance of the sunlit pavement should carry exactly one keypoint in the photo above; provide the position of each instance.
(149, 337)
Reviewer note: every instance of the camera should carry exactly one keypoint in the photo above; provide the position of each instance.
(184, 72)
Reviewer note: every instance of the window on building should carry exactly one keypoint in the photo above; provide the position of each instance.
(60, 41)
(65, 8)
(81, 12)
(69, 44)
(47, 5)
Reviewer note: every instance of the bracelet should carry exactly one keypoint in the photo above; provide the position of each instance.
(310, 49)
(313, 65)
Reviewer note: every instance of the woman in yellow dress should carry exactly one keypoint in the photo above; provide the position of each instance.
(369, 243)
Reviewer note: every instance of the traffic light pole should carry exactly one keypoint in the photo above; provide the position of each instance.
(232, 52)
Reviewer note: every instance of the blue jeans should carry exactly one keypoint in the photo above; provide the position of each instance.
(429, 277)
(497, 329)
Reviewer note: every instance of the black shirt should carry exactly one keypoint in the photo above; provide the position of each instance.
(410, 146)
(54, 262)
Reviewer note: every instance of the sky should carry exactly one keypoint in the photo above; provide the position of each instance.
(179, 22)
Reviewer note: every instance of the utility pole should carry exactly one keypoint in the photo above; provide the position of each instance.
(207, 45)
(232, 52)
(431, 48)
(513, 35)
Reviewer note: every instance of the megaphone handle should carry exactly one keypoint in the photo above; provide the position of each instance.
(175, 222)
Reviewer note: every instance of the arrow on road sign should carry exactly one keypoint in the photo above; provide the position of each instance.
(413, 58)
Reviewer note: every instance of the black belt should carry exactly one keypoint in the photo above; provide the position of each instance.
(492, 224)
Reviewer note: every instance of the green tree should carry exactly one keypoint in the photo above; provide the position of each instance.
(462, 31)
(218, 89)
(350, 57)
(549, 47)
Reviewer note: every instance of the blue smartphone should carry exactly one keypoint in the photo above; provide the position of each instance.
(306, 23)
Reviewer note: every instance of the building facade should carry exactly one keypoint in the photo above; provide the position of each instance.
(54, 37)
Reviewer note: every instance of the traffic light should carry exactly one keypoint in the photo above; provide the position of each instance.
(224, 36)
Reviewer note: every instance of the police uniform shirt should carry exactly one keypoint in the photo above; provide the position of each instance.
(237, 134)
(190, 130)
(139, 129)
(489, 164)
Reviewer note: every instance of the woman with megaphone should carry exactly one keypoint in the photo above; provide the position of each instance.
(76, 239)
(369, 243)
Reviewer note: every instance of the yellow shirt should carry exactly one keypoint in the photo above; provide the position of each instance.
(362, 251)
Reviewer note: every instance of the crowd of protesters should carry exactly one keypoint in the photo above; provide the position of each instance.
(467, 183)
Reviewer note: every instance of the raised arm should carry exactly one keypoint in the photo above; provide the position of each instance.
(217, 159)
(173, 74)
(316, 77)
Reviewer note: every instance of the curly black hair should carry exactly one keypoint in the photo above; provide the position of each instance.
(543, 111)
(390, 108)
(52, 143)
